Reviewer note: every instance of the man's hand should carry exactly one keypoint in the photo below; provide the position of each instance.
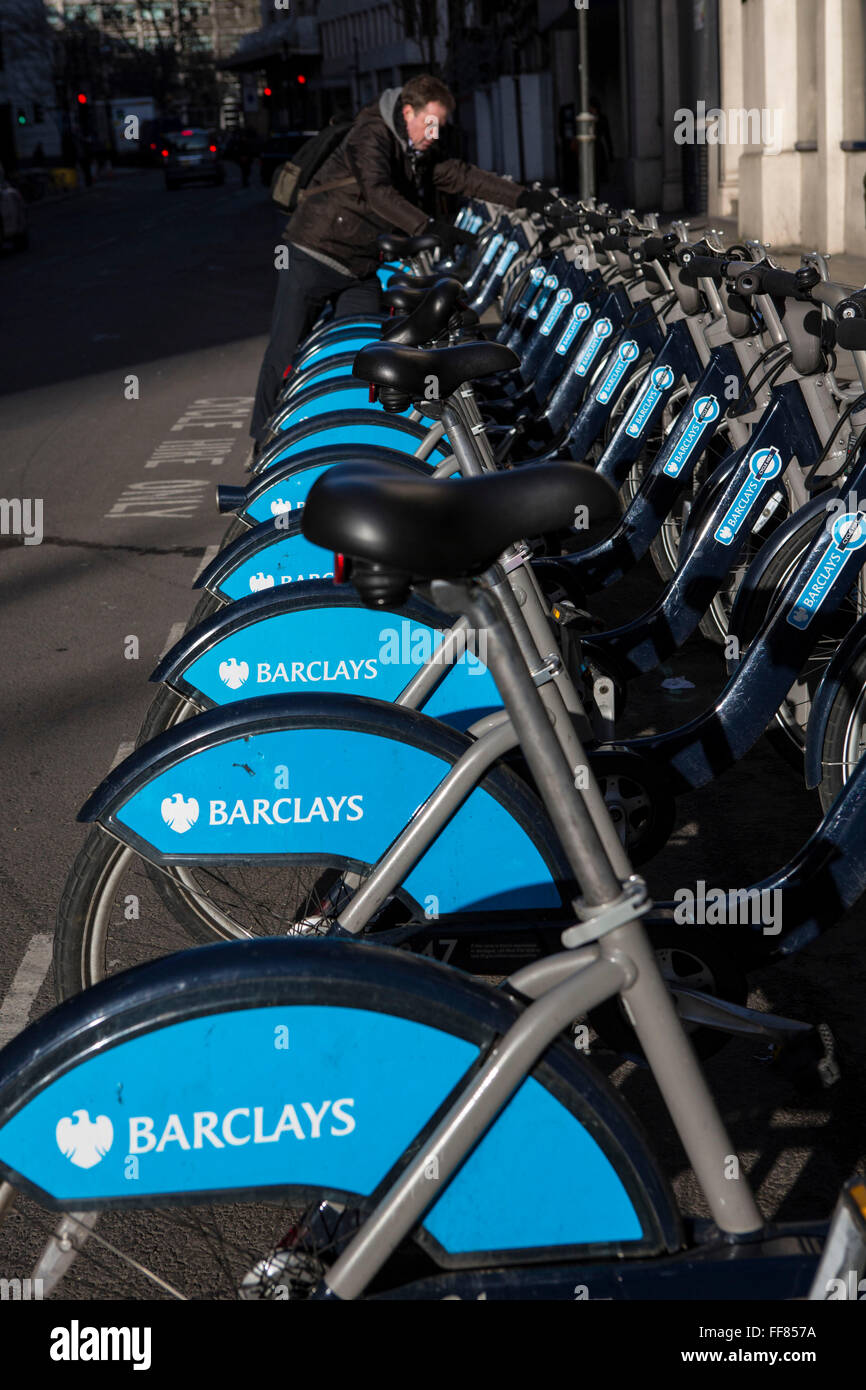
(534, 199)
(449, 235)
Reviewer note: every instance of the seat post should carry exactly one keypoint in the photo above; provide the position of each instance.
(572, 820)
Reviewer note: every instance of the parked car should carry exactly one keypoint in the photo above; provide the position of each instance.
(192, 156)
(13, 215)
(280, 146)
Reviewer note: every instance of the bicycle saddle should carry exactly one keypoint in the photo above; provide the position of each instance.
(403, 298)
(409, 369)
(429, 318)
(396, 247)
(442, 529)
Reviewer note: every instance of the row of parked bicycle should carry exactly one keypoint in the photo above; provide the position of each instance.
(390, 734)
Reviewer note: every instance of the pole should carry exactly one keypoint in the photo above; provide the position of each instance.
(585, 121)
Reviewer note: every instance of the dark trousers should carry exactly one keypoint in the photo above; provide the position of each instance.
(302, 291)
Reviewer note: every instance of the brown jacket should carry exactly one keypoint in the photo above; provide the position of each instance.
(387, 191)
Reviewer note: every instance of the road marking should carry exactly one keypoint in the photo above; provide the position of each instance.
(179, 497)
(26, 984)
(177, 631)
(222, 413)
(210, 554)
(174, 451)
(124, 748)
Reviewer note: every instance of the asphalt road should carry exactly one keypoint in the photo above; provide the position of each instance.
(132, 332)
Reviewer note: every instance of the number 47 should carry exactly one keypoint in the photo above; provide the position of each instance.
(447, 942)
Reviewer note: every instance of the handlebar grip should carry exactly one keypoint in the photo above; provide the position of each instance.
(616, 243)
(655, 248)
(851, 334)
(791, 284)
(704, 267)
(595, 221)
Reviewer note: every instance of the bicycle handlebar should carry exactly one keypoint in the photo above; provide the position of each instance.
(783, 284)
(616, 243)
(702, 267)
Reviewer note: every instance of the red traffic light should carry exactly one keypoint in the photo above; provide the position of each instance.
(82, 99)
(212, 149)
(164, 154)
(301, 79)
(268, 92)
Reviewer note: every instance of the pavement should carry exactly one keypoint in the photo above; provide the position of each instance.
(135, 327)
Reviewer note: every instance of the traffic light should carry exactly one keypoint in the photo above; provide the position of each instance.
(22, 117)
(301, 78)
(267, 92)
(82, 98)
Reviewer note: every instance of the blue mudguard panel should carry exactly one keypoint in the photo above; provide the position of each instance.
(283, 487)
(325, 402)
(337, 343)
(290, 775)
(286, 557)
(371, 427)
(270, 1066)
(259, 646)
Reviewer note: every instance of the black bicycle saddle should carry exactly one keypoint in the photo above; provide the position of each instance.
(443, 528)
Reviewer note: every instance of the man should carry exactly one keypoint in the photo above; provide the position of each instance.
(383, 176)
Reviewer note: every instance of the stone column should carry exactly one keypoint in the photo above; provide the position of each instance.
(770, 204)
(725, 172)
(643, 166)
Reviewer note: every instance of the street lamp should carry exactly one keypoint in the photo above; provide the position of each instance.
(585, 121)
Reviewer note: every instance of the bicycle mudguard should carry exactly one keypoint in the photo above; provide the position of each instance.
(284, 487)
(783, 432)
(370, 426)
(341, 340)
(627, 350)
(299, 775)
(664, 480)
(295, 382)
(314, 639)
(335, 398)
(698, 751)
(273, 1066)
(849, 649)
(272, 554)
(676, 359)
(816, 506)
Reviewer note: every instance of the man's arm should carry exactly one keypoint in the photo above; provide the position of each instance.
(456, 176)
(371, 167)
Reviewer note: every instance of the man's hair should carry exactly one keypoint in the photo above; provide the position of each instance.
(424, 88)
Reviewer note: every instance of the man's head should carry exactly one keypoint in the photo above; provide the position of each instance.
(426, 104)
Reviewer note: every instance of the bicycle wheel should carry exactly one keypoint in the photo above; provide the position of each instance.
(118, 911)
(787, 732)
(845, 734)
(213, 1252)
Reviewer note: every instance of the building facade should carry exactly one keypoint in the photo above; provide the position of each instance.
(792, 169)
(28, 118)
